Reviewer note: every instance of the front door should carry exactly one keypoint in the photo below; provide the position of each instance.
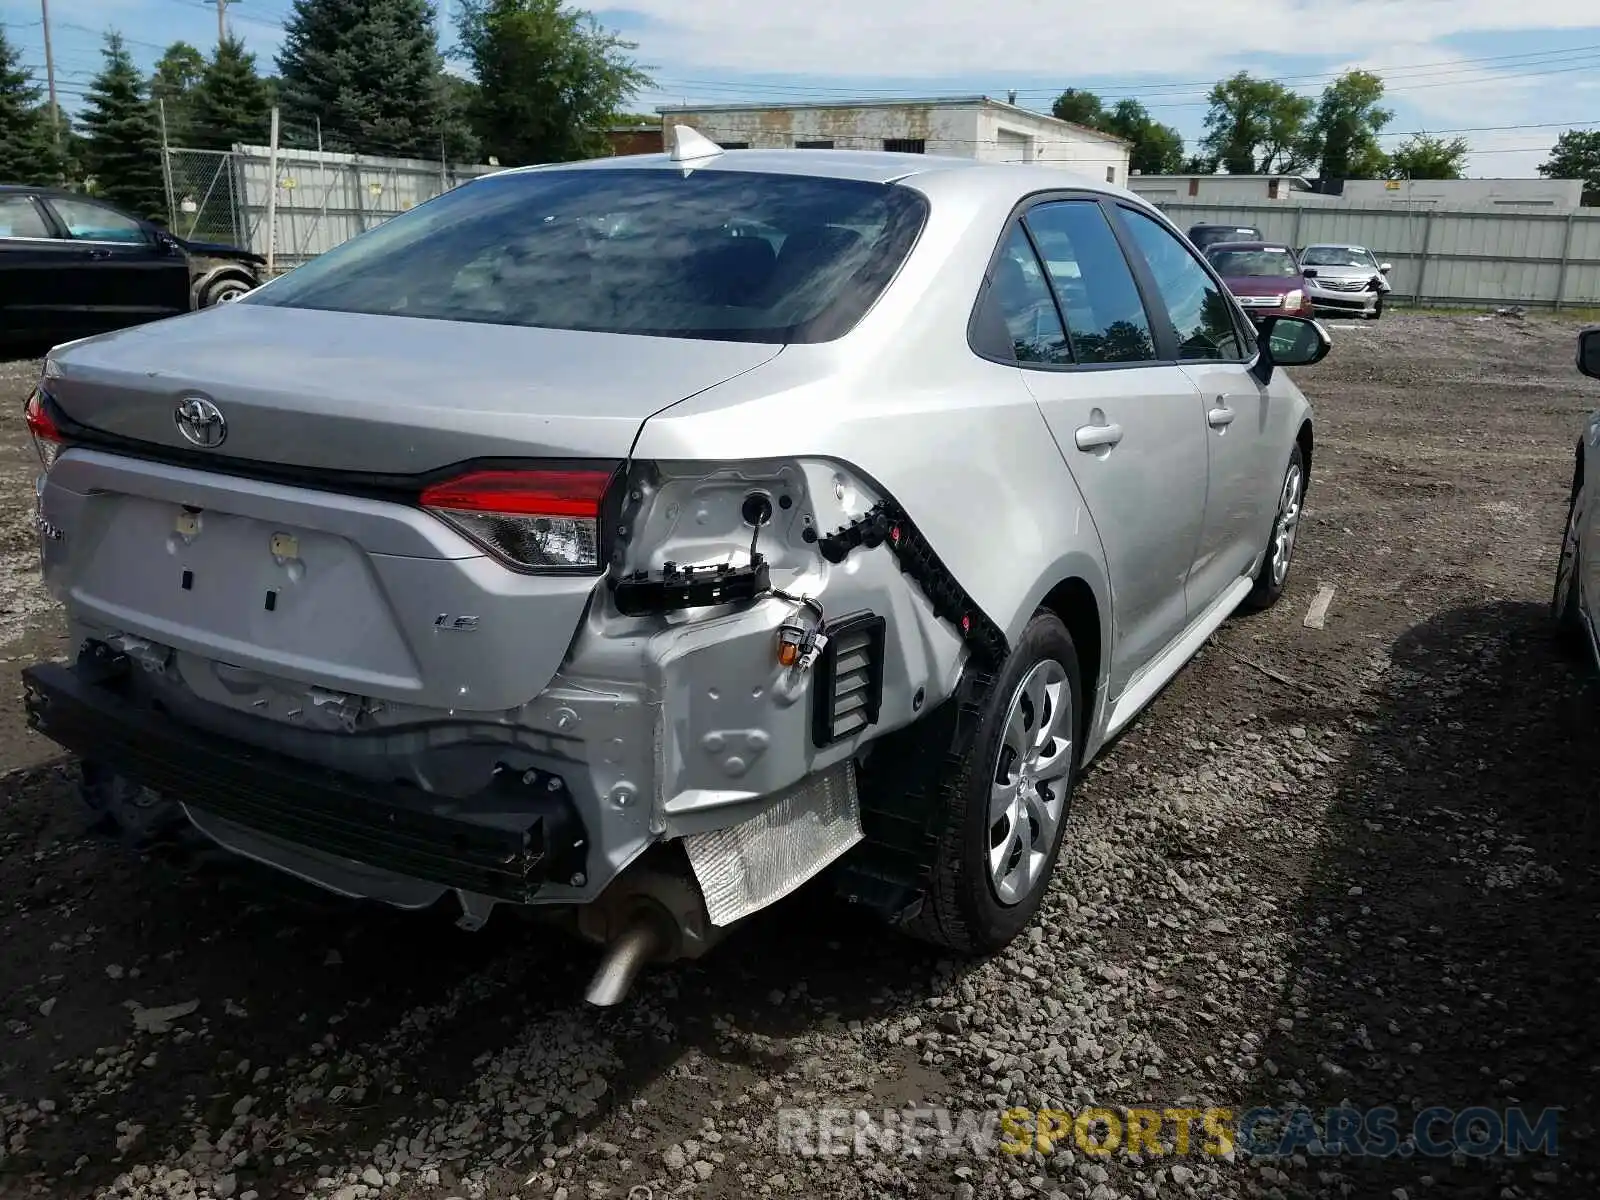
(1127, 426)
(126, 275)
(1235, 408)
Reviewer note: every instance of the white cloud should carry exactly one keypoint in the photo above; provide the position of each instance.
(1178, 38)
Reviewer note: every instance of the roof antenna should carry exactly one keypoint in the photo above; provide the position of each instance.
(690, 145)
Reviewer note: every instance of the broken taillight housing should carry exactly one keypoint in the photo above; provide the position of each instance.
(47, 440)
(532, 520)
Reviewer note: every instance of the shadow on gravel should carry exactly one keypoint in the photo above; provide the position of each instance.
(286, 977)
(1450, 940)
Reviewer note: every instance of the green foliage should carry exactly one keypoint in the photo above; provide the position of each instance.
(1079, 107)
(1425, 157)
(1157, 149)
(172, 87)
(1576, 155)
(1256, 126)
(550, 79)
(27, 146)
(122, 143)
(369, 71)
(230, 104)
(1342, 136)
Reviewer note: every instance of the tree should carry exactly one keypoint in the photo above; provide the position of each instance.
(122, 146)
(1342, 137)
(1422, 156)
(369, 72)
(27, 147)
(550, 79)
(172, 85)
(1079, 107)
(231, 103)
(1576, 155)
(1157, 148)
(1256, 126)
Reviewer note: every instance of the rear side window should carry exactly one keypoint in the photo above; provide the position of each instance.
(1020, 294)
(730, 255)
(1105, 315)
(1199, 310)
(20, 219)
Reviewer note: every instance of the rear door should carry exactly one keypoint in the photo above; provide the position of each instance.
(1236, 409)
(126, 275)
(1127, 422)
(35, 275)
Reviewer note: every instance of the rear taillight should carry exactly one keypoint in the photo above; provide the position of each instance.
(533, 520)
(47, 439)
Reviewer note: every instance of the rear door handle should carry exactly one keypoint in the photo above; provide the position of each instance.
(1097, 437)
(1221, 416)
(99, 253)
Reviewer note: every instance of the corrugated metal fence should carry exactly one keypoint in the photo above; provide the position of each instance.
(323, 198)
(1441, 256)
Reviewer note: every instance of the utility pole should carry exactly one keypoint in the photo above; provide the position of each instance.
(50, 73)
(222, 19)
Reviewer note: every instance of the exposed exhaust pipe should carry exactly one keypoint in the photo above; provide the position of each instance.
(625, 956)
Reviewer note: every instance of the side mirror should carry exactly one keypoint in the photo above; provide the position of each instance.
(1589, 352)
(1290, 342)
(1385, 268)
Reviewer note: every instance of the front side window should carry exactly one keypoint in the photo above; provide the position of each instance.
(731, 255)
(20, 219)
(1199, 309)
(90, 222)
(1105, 314)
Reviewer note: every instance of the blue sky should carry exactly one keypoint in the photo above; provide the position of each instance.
(1511, 77)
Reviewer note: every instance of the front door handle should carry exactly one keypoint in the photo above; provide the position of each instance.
(1097, 437)
(97, 253)
(1221, 416)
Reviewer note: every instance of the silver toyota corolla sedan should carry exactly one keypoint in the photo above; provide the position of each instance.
(1345, 279)
(1576, 603)
(635, 540)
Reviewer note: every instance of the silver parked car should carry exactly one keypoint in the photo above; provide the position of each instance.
(634, 540)
(1345, 279)
(1576, 603)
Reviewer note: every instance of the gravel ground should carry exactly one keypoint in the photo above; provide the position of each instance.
(1355, 863)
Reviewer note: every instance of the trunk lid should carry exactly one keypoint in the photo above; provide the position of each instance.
(382, 394)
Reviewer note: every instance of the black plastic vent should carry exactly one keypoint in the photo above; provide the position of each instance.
(847, 690)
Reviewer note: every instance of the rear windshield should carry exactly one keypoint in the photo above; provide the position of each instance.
(1204, 235)
(1243, 263)
(728, 255)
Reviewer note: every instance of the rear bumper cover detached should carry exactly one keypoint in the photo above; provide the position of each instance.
(504, 842)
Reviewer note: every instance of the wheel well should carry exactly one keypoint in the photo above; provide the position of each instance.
(1303, 438)
(1073, 601)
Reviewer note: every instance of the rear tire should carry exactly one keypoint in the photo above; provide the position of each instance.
(1006, 806)
(1564, 603)
(1273, 577)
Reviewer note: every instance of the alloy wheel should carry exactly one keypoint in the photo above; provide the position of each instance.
(1028, 792)
(1283, 533)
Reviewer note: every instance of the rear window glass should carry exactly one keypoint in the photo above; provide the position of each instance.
(728, 255)
(1243, 263)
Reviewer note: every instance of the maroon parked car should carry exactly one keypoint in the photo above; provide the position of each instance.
(1265, 278)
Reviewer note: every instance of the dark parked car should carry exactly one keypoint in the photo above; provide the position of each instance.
(71, 266)
(1202, 236)
(1264, 278)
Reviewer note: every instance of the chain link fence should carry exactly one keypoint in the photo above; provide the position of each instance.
(323, 198)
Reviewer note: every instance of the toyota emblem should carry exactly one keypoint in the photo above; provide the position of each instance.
(200, 421)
